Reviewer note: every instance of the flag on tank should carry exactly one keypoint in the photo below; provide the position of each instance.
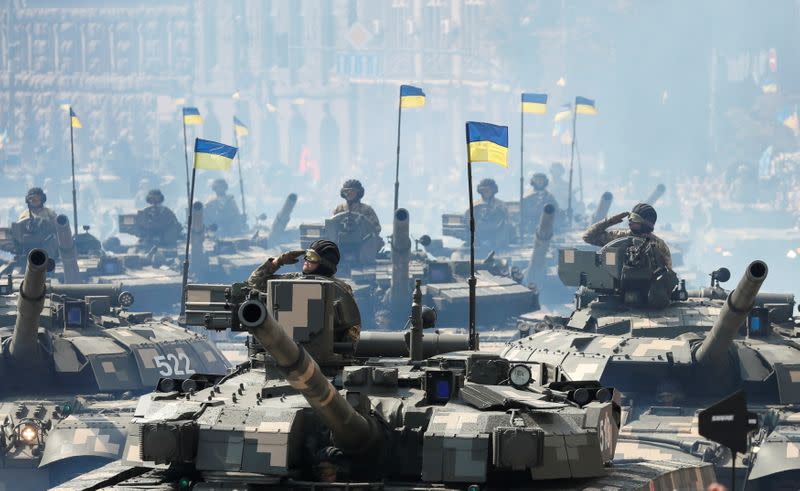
(487, 143)
(212, 155)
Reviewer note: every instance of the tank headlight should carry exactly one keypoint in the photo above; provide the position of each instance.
(28, 433)
(520, 376)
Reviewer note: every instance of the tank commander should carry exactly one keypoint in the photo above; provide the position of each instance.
(492, 221)
(641, 223)
(352, 192)
(320, 259)
(534, 203)
(222, 211)
(157, 224)
(35, 200)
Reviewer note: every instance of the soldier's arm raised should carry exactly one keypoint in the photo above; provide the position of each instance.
(597, 234)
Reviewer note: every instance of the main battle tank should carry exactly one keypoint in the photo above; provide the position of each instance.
(72, 358)
(381, 281)
(311, 410)
(671, 354)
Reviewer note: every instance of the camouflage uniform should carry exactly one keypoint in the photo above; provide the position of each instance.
(259, 278)
(361, 209)
(44, 213)
(533, 205)
(599, 236)
(157, 224)
(223, 212)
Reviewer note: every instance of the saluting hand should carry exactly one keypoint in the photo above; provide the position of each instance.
(290, 257)
(619, 217)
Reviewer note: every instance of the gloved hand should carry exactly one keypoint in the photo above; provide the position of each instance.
(290, 257)
(618, 217)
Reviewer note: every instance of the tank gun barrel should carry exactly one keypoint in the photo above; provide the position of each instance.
(352, 431)
(199, 259)
(66, 249)
(603, 206)
(543, 235)
(737, 305)
(401, 250)
(29, 307)
(283, 216)
(656, 194)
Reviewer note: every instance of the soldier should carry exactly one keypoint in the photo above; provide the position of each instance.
(222, 211)
(35, 199)
(641, 221)
(352, 192)
(534, 203)
(156, 224)
(559, 186)
(36, 226)
(492, 223)
(320, 259)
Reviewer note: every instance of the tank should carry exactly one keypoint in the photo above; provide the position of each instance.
(307, 413)
(73, 357)
(672, 360)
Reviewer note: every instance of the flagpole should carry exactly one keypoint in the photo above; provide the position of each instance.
(74, 193)
(521, 168)
(188, 238)
(571, 163)
(397, 162)
(580, 170)
(239, 164)
(186, 159)
(471, 281)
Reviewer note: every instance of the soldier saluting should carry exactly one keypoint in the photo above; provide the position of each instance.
(641, 223)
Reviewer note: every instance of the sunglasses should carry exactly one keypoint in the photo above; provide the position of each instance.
(312, 256)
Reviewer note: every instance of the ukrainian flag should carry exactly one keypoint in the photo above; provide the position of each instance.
(789, 119)
(192, 116)
(73, 119)
(240, 128)
(584, 106)
(487, 143)
(411, 96)
(212, 155)
(564, 112)
(534, 103)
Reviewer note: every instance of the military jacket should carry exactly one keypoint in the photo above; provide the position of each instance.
(361, 209)
(599, 236)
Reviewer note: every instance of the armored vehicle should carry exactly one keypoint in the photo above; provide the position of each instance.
(671, 352)
(313, 409)
(382, 281)
(72, 358)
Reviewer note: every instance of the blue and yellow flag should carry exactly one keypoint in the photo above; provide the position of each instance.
(788, 118)
(584, 106)
(487, 143)
(212, 155)
(240, 128)
(534, 103)
(73, 119)
(192, 116)
(564, 112)
(411, 96)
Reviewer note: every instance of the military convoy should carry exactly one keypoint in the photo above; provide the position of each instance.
(314, 410)
(671, 352)
(73, 358)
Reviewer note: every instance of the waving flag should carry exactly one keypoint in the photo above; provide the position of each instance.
(212, 155)
(487, 143)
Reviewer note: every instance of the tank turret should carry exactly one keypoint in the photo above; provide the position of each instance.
(23, 346)
(602, 207)
(543, 235)
(283, 216)
(352, 431)
(738, 304)
(66, 250)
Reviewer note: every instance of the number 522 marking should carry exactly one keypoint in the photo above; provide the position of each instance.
(171, 365)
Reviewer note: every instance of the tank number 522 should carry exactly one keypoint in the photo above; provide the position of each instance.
(173, 365)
